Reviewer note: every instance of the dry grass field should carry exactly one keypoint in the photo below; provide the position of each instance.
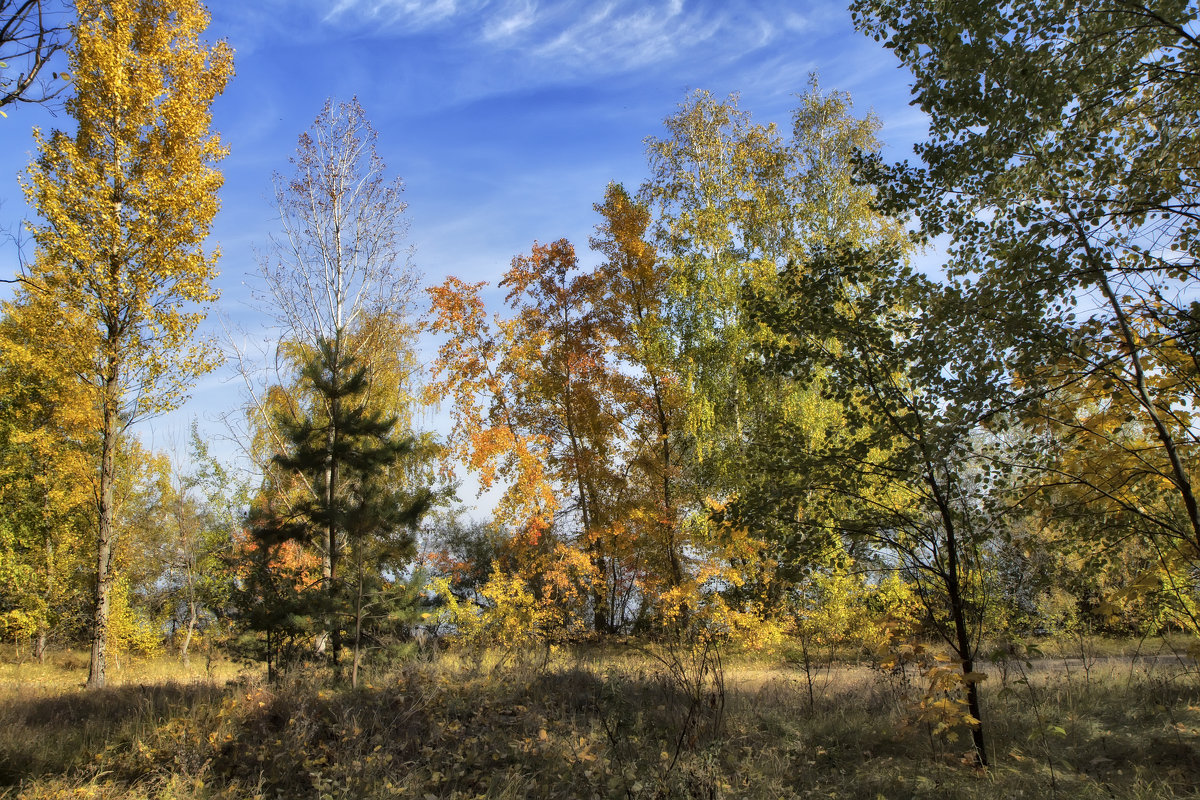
(598, 723)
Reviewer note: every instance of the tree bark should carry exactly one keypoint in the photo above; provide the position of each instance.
(962, 634)
(187, 636)
(106, 536)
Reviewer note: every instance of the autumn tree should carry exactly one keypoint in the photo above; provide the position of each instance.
(45, 481)
(1061, 165)
(469, 372)
(624, 394)
(567, 393)
(139, 608)
(926, 396)
(1097, 479)
(633, 307)
(127, 201)
(737, 204)
(535, 396)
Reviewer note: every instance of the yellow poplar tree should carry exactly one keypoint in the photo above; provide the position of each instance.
(127, 202)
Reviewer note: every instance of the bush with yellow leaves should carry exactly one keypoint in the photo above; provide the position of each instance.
(509, 618)
(131, 631)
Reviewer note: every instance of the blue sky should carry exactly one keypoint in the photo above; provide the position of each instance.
(505, 118)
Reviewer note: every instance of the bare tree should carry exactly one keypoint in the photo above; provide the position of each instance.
(31, 32)
(339, 262)
(340, 257)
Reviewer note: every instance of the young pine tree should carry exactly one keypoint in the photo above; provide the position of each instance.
(363, 509)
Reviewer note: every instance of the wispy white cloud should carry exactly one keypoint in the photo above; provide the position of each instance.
(405, 14)
(617, 36)
(477, 49)
(510, 22)
(796, 23)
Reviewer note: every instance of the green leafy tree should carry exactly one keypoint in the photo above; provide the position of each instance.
(927, 397)
(1062, 165)
(738, 204)
(204, 508)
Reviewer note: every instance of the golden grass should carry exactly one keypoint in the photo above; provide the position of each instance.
(68, 669)
(593, 723)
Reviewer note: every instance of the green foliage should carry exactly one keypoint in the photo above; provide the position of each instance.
(360, 508)
(927, 399)
(1062, 166)
(465, 553)
(204, 513)
(737, 206)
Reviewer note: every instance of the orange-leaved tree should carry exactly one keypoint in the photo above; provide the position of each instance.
(570, 394)
(633, 305)
(537, 400)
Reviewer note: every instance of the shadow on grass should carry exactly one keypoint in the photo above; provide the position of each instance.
(61, 733)
(610, 730)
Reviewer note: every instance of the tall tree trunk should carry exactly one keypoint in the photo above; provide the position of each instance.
(358, 625)
(958, 614)
(39, 647)
(601, 619)
(106, 537)
(331, 478)
(668, 509)
(327, 562)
